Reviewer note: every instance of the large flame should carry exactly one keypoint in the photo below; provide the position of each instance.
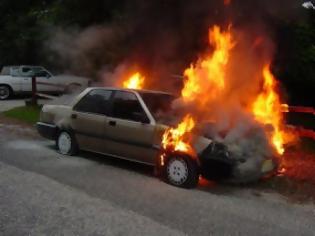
(178, 139)
(206, 80)
(268, 110)
(207, 83)
(136, 81)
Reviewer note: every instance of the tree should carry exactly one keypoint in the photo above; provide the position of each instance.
(295, 61)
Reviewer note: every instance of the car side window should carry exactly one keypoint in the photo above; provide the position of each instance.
(96, 101)
(14, 71)
(27, 72)
(127, 106)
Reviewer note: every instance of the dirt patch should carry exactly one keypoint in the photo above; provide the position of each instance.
(17, 127)
(293, 190)
(12, 121)
(297, 179)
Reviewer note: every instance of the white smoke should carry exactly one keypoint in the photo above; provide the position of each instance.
(308, 5)
(84, 51)
(246, 141)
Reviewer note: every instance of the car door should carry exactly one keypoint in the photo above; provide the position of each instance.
(15, 80)
(26, 80)
(129, 131)
(45, 82)
(88, 120)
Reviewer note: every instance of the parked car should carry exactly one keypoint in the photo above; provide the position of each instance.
(127, 124)
(18, 79)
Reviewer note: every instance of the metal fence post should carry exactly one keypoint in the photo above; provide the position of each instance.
(34, 91)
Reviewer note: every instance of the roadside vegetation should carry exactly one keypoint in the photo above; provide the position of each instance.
(28, 114)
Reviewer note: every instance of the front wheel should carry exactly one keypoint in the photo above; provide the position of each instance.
(181, 171)
(5, 92)
(66, 143)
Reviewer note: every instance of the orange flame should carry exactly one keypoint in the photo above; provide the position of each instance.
(136, 81)
(206, 80)
(268, 110)
(177, 139)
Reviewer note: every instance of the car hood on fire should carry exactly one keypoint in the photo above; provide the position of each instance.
(199, 143)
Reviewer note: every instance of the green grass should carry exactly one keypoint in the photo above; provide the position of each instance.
(29, 114)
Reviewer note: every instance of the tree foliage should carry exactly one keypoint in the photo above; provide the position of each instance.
(295, 59)
(24, 30)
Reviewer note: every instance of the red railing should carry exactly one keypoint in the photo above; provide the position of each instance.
(309, 110)
(307, 133)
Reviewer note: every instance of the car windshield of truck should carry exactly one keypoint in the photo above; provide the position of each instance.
(14, 71)
(31, 70)
(159, 104)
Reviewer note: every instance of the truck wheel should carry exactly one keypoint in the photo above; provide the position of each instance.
(66, 143)
(5, 92)
(181, 171)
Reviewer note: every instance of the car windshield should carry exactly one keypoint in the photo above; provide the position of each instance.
(31, 70)
(159, 104)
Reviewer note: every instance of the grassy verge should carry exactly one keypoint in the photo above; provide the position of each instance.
(29, 114)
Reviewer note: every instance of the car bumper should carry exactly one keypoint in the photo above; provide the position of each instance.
(217, 164)
(46, 130)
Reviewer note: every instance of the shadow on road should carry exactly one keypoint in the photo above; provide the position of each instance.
(204, 185)
(112, 161)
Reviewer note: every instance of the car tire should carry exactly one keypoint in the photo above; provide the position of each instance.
(181, 171)
(66, 143)
(5, 92)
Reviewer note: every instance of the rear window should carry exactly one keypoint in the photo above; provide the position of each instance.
(96, 101)
(7, 70)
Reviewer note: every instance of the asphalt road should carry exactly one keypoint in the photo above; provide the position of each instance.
(44, 193)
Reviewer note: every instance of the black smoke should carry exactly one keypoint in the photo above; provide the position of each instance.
(160, 38)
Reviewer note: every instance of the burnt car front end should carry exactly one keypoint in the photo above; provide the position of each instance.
(217, 162)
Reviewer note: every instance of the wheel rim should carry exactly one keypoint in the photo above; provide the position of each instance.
(177, 171)
(4, 92)
(64, 143)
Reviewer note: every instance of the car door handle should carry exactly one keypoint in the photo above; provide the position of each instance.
(112, 123)
(74, 116)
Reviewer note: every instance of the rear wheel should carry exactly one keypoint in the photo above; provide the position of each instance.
(5, 92)
(66, 143)
(181, 171)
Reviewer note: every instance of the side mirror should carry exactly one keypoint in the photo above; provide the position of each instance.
(140, 117)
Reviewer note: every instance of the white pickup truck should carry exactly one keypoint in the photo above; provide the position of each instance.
(18, 80)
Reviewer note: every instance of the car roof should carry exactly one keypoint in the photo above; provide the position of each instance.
(133, 90)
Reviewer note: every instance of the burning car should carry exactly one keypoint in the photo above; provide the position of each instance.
(131, 124)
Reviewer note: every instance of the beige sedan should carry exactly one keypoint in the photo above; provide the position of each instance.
(129, 124)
